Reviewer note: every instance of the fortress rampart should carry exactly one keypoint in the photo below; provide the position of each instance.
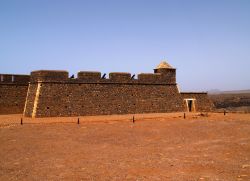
(48, 93)
(53, 93)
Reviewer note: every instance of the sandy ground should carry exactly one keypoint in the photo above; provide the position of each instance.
(155, 147)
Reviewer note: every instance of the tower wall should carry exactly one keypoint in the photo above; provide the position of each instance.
(168, 74)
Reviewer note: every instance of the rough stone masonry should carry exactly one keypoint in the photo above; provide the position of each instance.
(53, 93)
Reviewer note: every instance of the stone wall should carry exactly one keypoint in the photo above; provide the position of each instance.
(89, 94)
(202, 101)
(52, 93)
(13, 91)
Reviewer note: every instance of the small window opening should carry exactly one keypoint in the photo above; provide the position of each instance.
(47, 107)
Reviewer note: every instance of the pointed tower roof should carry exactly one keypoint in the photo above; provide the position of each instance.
(164, 65)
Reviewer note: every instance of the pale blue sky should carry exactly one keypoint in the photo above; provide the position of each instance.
(207, 41)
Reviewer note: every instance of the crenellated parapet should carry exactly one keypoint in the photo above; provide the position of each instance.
(14, 79)
(98, 77)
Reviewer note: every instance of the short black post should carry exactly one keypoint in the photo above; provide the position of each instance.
(133, 119)
(78, 121)
(184, 115)
(21, 121)
(224, 112)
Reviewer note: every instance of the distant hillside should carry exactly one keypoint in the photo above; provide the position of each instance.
(233, 101)
(237, 92)
(216, 91)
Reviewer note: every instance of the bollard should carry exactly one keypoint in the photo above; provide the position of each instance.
(184, 115)
(224, 112)
(133, 119)
(78, 121)
(21, 121)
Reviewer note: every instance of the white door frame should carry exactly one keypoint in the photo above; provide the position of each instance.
(193, 109)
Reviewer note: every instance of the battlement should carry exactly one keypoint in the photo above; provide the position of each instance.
(120, 76)
(149, 77)
(14, 78)
(89, 76)
(95, 77)
(49, 75)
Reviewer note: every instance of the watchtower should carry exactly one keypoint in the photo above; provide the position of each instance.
(167, 71)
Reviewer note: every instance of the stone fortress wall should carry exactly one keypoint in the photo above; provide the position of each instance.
(89, 94)
(53, 93)
(13, 92)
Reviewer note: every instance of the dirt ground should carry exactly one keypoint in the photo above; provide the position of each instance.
(155, 147)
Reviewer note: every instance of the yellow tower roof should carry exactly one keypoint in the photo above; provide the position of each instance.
(164, 65)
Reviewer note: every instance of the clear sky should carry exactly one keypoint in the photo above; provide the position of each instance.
(208, 41)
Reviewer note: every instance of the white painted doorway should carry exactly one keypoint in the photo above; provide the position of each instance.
(190, 104)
